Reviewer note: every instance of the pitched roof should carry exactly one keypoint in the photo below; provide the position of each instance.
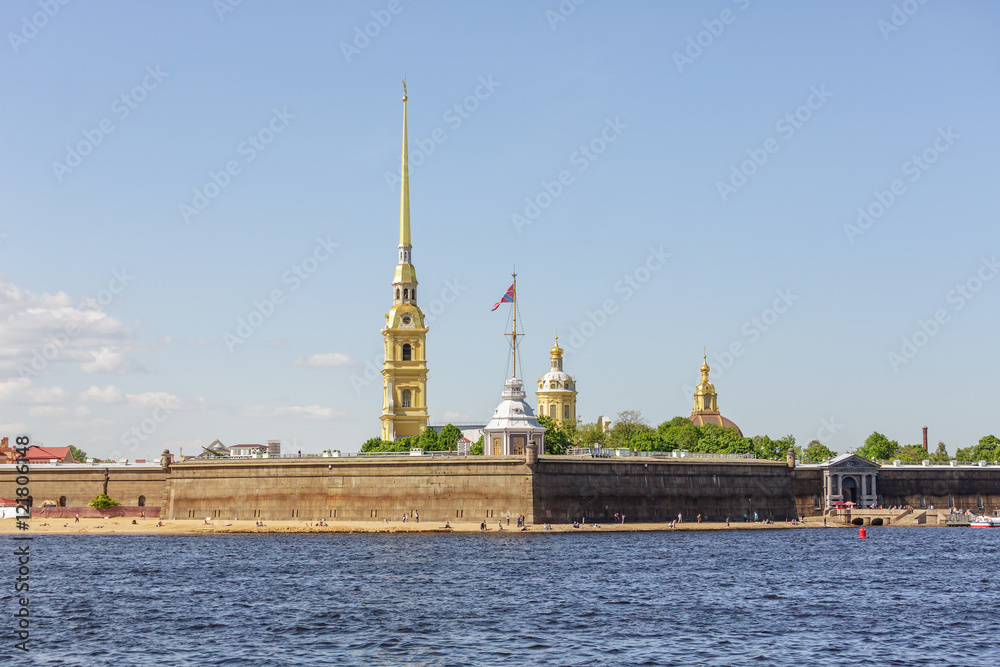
(46, 453)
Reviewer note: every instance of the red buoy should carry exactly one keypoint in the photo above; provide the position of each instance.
(862, 535)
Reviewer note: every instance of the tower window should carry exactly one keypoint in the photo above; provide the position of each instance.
(413, 293)
(406, 398)
(565, 412)
(406, 293)
(397, 292)
(552, 411)
(407, 352)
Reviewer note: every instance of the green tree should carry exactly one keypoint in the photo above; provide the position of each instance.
(557, 439)
(102, 501)
(447, 439)
(79, 456)
(774, 450)
(877, 447)
(717, 439)
(629, 424)
(817, 451)
(428, 440)
(589, 435)
(911, 453)
(477, 447)
(679, 433)
(648, 441)
(987, 449)
(940, 455)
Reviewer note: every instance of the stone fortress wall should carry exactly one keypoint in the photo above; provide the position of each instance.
(549, 489)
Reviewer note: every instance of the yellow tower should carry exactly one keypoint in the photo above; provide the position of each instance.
(706, 403)
(404, 372)
(556, 390)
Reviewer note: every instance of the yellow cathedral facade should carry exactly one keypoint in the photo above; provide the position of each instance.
(706, 403)
(556, 389)
(404, 371)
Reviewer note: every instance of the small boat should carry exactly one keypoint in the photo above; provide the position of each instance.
(985, 522)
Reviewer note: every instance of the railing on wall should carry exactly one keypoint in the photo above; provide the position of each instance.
(608, 452)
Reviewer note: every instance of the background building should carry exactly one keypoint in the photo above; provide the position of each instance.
(556, 389)
(404, 371)
(706, 403)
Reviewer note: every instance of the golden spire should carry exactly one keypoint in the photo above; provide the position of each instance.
(404, 194)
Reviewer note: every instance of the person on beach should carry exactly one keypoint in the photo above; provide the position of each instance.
(623, 517)
(678, 517)
(77, 519)
(727, 522)
(482, 526)
(416, 516)
(699, 517)
(500, 524)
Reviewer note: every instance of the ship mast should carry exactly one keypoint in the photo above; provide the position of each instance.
(514, 335)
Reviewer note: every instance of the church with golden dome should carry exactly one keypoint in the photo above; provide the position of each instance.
(404, 371)
(706, 403)
(556, 389)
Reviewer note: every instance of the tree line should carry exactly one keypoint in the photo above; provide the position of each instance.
(878, 447)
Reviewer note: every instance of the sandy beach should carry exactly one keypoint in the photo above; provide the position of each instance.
(221, 526)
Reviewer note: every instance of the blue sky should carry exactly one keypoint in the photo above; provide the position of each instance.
(700, 172)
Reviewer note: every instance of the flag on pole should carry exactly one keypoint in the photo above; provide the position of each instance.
(508, 297)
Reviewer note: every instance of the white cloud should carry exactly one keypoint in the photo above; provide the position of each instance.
(110, 394)
(308, 411)
(112, 362)
(24, 391)
(47, 411)
(39, 330)
(327, 360)
(153, 399)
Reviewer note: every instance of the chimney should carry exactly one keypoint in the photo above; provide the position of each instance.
(925, 438)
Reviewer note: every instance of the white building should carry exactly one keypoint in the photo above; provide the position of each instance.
(513, 425)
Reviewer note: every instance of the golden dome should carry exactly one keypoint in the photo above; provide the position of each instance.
(556, 351)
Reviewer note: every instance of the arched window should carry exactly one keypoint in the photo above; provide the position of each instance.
(397, 292)
(413, 293)
(406, 398)
(62, 501)
(407, 352)
(565, 412)
(406, 293)
(552, 411)
(142, 501)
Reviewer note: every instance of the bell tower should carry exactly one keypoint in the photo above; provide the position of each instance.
(404, 371)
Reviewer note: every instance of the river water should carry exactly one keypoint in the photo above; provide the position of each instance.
(917, 596)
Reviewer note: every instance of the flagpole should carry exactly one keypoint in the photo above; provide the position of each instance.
(514, 335)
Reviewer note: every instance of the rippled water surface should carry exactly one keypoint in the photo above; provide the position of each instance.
(795, 597)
